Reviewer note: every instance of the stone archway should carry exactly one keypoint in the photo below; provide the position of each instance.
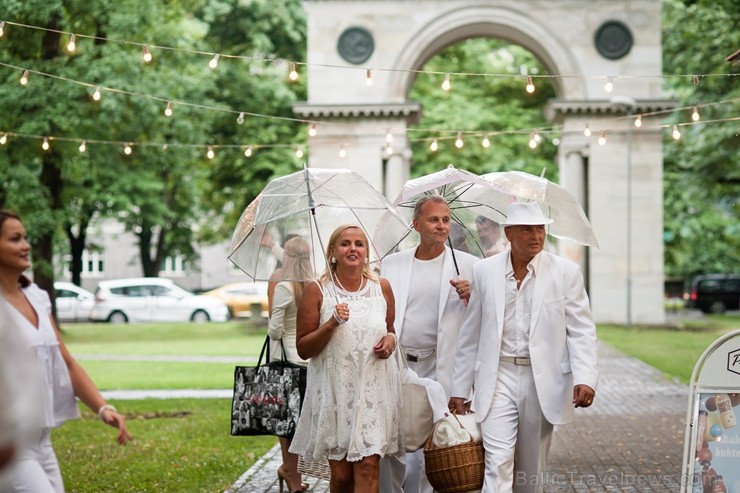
(579, 40)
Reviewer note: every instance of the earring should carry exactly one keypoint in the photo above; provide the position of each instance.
(333, 260)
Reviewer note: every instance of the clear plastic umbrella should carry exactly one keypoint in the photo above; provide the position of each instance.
(570, 221)
(311, 203)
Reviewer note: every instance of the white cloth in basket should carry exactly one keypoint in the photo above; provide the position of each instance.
(455, 430)
(435, 392)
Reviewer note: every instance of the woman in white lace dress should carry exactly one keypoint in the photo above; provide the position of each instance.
(351, 412)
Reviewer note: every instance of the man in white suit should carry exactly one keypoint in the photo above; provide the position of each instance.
(528, 347)
(431, 296)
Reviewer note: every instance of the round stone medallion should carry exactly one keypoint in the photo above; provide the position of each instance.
(613, 40)
(356, 45)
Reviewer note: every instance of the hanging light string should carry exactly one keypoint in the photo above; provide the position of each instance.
(148, 48)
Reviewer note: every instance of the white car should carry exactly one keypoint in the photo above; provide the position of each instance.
(153, 299)
(72, 302)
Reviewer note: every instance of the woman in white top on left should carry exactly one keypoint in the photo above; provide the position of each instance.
(61, 378)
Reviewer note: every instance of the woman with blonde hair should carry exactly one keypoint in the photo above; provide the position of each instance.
(351, 413)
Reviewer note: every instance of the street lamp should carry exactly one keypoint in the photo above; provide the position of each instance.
(627, 104)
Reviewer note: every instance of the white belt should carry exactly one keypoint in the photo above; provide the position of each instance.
(516, 360)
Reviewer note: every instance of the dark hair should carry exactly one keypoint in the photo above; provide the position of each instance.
(4, 216)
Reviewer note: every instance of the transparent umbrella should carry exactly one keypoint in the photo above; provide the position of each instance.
(570, 221)
(311, 203)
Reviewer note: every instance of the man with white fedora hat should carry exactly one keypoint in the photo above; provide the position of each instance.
(528, 346)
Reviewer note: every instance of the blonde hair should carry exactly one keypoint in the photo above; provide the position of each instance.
(331, 268)
(297, 266)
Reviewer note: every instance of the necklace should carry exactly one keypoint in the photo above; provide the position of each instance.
(362, 282)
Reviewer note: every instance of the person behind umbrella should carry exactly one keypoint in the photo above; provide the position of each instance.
(351, 413)
(528, 346)
(296, 266)
(431, 285)
(62, 377)
(489, 232)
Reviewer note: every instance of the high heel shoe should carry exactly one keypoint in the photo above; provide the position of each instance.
(283, 476)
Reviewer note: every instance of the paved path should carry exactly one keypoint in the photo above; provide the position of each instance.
(630, 440)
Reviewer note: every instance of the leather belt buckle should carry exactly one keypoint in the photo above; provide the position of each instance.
(412, 358)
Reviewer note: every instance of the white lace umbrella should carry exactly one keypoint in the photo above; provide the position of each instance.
(569, 219)
(311, 203)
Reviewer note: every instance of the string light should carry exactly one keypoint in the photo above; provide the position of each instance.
(214, 61)
(638, 121)
(147, 55)
(459, 141)
(676, 134)
(609, 86)
(342, 151)
(298, 152)
(312, 130)
(210, 154)
(293, 73)
(45, 144)
(530, 85)
(128, 149)
(486, 142)
(587, 131)
(602, 138)
(4, 139)
(240, 118)
(24, 78)
(2, 28)
(388, 150)
(168, 109)
(695, 79)
(446, 84)
(96, 94)
(248, 152)
(388, 136)
(434, 146)
(369, 77)
(695, 114)
(71, 45)
(533, 140)
(83, 146)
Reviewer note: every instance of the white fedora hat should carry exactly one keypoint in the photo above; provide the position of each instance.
(525, 213)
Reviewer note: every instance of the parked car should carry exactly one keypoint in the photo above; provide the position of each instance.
(153, 299)
(713, 293)
(240, 296)
(72, 302)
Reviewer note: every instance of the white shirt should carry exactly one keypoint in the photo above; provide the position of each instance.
(422, 306)
(518, 311)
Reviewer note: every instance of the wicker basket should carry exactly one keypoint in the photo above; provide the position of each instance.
(455, 469)
(316, 469)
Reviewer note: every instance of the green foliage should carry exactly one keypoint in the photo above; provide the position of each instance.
(484, 105)
(702, 170)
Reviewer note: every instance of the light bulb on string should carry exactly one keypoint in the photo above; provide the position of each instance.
(676, 134)
(530, 85)
(369, 77)
(602, 138)
(248, 152)
(533, 140)
(45, 144)
(210, 154)
(388, 150)
(695, 114)
(71, 45)
(446, 84)
(128, 149)
(388, 136)
(4, 139)
(293, 73)
(486, 142)
(695, 79)
(434, 146)
(96, 94)
(168, 109)
(342, 151)
(312, 130)
(609, 86)
(214, 61)
(638, 121)
(240, 118)
(298, 152)
(587, 131)
(459, 141)
(165, 147)
(83, 146)
(24, 78)
(147, 55)
(2, 28)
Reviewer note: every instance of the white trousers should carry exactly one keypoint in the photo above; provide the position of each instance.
(516, 436)
(37, 469)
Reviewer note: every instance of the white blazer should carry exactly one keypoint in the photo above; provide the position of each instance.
(562, 336)
(396, 269)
